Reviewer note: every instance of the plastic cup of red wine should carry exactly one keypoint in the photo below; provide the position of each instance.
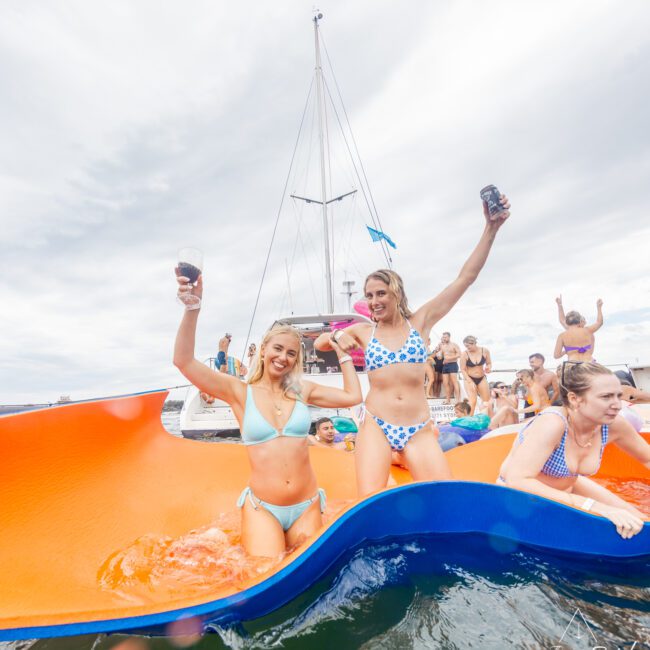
(190, 266)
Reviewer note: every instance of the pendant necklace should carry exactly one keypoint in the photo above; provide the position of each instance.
(588, 443)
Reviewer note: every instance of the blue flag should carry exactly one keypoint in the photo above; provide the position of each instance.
(378, 235)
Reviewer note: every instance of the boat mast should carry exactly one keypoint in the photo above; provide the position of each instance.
(320, 101)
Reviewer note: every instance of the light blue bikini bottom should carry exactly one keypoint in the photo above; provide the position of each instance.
(286, 515)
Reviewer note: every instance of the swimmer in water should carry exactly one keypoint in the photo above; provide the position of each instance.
(282, 504)
(475, 364)
(555, 453)
(397, 416)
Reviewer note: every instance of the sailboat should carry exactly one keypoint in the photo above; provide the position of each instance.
(200, 419)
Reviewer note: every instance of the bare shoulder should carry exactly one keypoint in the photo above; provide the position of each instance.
(360, 331)
(550, 421)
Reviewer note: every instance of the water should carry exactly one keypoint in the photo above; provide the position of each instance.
(434, 592)
(440, 591)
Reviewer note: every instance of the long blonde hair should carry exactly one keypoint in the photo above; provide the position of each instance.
(291, 382)
(396, 286)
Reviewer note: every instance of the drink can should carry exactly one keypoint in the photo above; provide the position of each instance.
(491, 195)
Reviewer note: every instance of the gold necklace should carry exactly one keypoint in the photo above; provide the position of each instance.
(278, 410)
(575, 437)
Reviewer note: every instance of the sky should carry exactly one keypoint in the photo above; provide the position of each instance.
(129, 130)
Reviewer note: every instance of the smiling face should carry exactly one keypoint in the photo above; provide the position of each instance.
(535, 363)
(382, 301)
(280, 354)
(601, 402)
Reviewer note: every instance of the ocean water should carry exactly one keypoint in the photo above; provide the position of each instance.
(434, 592)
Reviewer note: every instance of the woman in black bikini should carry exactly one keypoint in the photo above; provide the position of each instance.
(475, 364)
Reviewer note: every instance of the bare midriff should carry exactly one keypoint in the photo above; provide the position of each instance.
(281, 473)
(397, 395)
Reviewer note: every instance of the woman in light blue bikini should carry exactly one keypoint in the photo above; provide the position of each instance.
(555, 453)
(399, 417)
(282, 503)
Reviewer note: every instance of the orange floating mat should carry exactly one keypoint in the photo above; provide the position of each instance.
(84, 481)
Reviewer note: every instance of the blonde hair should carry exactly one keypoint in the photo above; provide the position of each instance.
(396, 286)
(470, 339)
(578, 376)
(291, 384)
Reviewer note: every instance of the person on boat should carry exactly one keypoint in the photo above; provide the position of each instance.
(502, 408)
(593, 328)
(547, 379)
(325, 436)
(250, 357)
(475, 364)
(634, 395)
(222, 355)
(450, 356)
(555, 454)
(536, 396)
(429, 373)
(397, 416)
(282, 503)
(577, 342)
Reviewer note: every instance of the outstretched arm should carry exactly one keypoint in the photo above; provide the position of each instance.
(431, 312)
(594, 327)
(214, 383)
(560, 312)
(330, 397)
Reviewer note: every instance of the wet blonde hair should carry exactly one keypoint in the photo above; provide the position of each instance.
(395, 285)
(577, 377)
(291, 384)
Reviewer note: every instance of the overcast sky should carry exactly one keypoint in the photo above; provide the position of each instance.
(130, 129)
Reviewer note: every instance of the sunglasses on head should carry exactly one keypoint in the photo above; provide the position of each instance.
(568, 363)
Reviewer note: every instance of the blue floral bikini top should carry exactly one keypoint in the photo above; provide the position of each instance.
(556, 464)
(413, 351)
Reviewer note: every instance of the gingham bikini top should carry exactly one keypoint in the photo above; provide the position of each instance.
(413, 351)
(556, 464)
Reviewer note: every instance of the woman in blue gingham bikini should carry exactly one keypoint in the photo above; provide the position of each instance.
(555, 453)
(398, 418)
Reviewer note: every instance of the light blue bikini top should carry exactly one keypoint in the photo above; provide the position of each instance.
(256, 428)
(413, 351)
(556, 464)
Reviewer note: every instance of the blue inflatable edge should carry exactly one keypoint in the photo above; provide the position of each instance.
(509, 517)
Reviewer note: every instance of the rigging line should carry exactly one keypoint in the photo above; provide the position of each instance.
(338, 90)
(375, 222)
(277, 221)
(299, 238)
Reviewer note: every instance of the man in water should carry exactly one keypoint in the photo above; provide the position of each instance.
(545, 378)
(451, 354)
(222, 356)
(325, 433)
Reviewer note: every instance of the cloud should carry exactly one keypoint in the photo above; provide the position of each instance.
(131, 130)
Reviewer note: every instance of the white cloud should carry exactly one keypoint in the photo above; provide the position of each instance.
(129, 130)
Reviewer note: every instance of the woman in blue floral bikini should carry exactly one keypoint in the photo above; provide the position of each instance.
(399, 417)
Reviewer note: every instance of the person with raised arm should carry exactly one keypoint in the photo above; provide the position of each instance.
(397, 416)
(594, 327)
(555, 453)
(282, 503)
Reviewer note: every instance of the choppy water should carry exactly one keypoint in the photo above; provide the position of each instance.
(435, 592)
